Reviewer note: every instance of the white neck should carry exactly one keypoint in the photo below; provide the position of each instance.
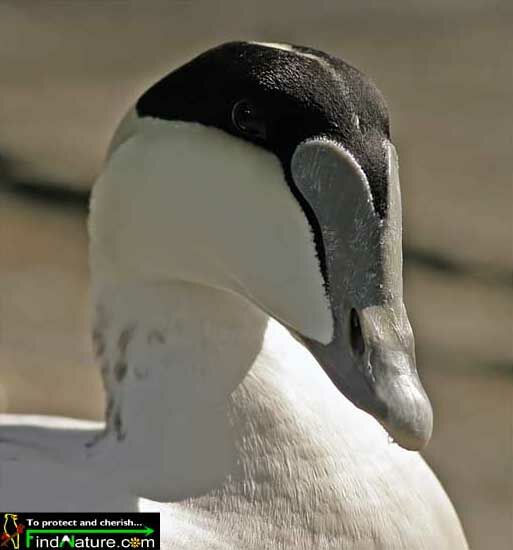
(217, 400)
(216, 406)
(171, 356)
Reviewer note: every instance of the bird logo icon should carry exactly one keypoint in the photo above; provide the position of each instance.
(10, 537)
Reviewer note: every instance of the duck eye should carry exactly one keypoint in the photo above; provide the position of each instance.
(248, 120)
(355, 333)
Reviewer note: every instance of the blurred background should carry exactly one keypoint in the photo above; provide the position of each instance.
(69, 70)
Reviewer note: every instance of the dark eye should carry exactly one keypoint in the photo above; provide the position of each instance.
(355, 333)
(247, 119)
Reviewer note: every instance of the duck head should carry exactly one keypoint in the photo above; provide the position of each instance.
(267, 170)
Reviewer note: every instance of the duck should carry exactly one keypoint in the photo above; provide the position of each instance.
(249, 323)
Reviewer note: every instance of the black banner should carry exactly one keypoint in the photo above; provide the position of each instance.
(36, 531)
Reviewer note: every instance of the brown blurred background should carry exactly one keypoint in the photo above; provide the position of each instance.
(69, 69)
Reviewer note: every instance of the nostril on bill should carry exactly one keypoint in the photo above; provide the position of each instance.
(355, 333)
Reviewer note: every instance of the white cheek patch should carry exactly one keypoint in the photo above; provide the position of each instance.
(183, 201)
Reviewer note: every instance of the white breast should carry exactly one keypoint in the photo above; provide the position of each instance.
(312, 471)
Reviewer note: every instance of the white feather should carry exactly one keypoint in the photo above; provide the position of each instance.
(218, 418)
